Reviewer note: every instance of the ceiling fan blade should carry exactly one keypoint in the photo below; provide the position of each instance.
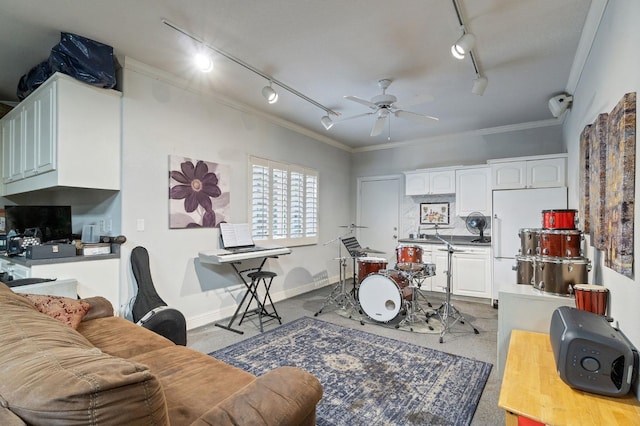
(362, 101)
(378, 125)
(415, 117)
(353, 116)
(417, 100)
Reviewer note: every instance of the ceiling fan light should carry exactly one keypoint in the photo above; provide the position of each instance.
(479, 85)
(463, 45)
(269, 94)
(326, 122)
(204, 62)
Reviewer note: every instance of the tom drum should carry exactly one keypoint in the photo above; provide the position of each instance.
(560, 243)
(409, 258)
(524, 268)
(370, 265)
(556, 275)
(528, 241)
(381, 295)
(592, 298)
(559, 219)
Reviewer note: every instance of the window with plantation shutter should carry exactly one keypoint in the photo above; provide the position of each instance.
(284, 203)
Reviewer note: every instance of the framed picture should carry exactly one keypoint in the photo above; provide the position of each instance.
(434, 213)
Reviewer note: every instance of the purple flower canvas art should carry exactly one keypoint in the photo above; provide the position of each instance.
(198, 193)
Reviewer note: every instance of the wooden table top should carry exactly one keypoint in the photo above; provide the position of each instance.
(531, 387)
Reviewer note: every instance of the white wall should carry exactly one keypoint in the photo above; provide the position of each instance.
(612, 69)
(161, 118)
(455, 150)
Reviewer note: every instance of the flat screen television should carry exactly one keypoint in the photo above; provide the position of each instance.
(54, 222)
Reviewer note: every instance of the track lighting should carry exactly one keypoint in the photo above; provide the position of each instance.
(268, 91)
(203, 62)
(463, 45)
(479, 85)
(269, 94)
(326, 122)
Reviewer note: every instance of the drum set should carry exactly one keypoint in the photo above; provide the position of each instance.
(382, 294)
(551, 258)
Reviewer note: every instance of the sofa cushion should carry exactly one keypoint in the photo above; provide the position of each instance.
(193, 382)
(51, 374)
(69, 311)
(119, 337)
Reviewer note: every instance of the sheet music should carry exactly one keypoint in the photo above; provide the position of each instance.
(236, 234)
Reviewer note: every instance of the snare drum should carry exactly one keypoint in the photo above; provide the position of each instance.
(370, 265)
(409, 258)
(556, 275)
(524, 269)
(560, 243)
(592, 298)
(381, 295)
(528, 241)
(559, 219)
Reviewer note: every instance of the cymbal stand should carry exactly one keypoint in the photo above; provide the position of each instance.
(339, 294)
(448, 313)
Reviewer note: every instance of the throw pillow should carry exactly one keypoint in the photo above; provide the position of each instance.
(69, 311)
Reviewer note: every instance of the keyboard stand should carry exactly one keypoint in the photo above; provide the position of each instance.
(250, 291)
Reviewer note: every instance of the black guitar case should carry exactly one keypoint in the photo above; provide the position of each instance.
(149, 310)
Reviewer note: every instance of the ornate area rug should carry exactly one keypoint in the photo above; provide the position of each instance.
(368, 379)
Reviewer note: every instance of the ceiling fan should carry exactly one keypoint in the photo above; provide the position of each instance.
(382, 106)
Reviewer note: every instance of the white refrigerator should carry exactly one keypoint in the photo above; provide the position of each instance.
(513, 210)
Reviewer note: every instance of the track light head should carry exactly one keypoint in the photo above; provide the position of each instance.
(204, 62)
(326, 122)
(479, 85)
(464, 44)
(269, 94)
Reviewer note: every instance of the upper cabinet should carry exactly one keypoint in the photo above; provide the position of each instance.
(430, 181)
(529, 172)
(66, 133)
(473, 191)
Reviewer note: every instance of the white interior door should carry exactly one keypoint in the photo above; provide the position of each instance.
(378, 208)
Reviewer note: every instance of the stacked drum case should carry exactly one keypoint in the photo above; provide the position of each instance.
(551, 257)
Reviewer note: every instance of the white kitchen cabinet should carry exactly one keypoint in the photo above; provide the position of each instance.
(473, 191)
(541, 172)
(430, 181)
(66, 133)
(472, 272)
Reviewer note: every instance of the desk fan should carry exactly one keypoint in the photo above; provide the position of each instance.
(476, 224)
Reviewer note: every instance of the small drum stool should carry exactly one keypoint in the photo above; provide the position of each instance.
(258, 277)
(592, 298)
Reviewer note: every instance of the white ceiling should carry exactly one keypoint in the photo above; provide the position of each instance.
(329, 49)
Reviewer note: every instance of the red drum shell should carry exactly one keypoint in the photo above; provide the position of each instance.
(591, 298)
(370, 265)
(560, 243)
(559, 219)
(409, 258)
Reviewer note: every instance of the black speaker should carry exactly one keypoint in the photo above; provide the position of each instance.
(590, 354)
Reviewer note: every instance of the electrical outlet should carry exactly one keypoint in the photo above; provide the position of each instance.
(108, 225)
(102, 226)
(140, 225)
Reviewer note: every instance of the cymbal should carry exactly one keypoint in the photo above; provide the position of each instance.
(351, 226)
(452, 250)
(368, 250)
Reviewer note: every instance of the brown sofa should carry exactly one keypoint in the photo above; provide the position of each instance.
(110, 371)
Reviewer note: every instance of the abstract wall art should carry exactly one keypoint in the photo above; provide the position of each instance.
(584, 178)
(598, 182)
(198, 193)
(620, 184)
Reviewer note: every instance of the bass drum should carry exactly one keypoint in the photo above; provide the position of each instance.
(381, 295)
